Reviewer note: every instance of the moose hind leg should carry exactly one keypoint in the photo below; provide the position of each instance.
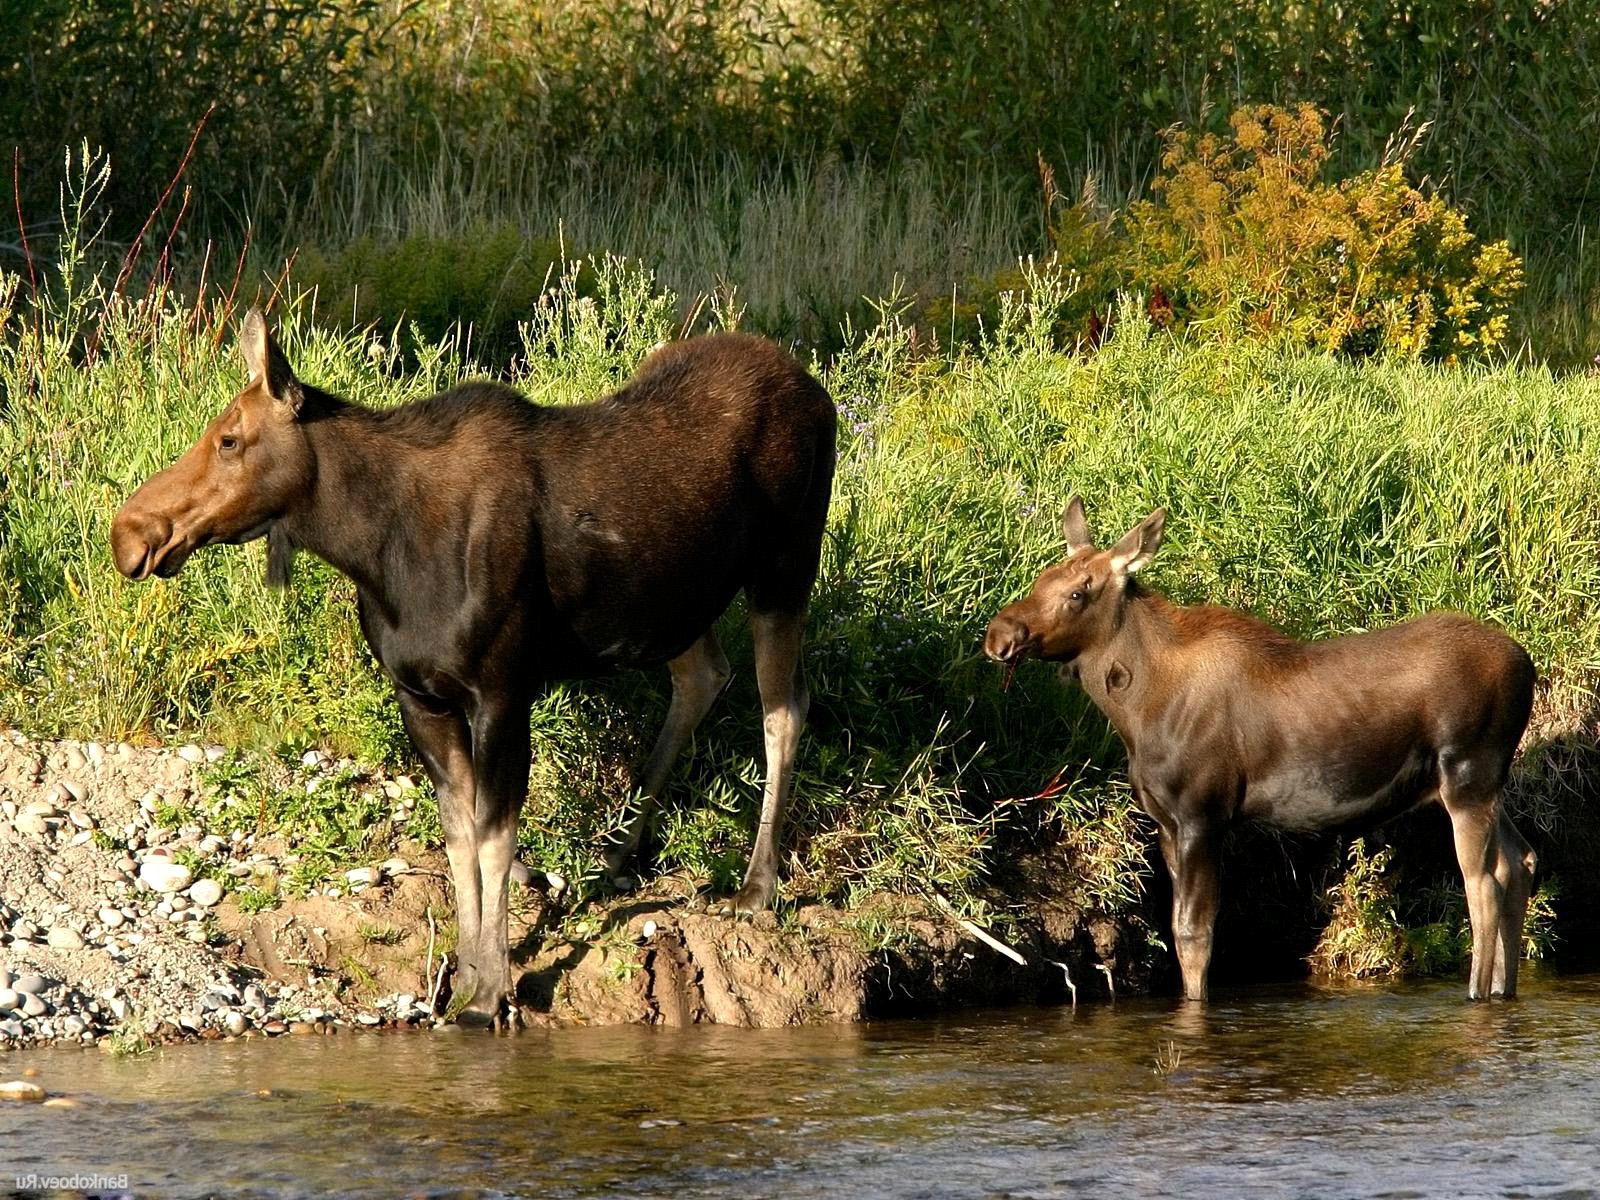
(1515, 865)
(444, 744)
(784, 702)
(1474, 817)
(698, 676)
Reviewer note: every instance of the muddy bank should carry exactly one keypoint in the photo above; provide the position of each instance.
(126, 915)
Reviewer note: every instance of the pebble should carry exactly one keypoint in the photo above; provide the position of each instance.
(10, 999)
(191, 753)
(64, 937)
(80, 818)
(111, 917)
(22, 1090)
(32, 1006)
(274, 1027)
(395, 866)
(164, 875)
(362, 876)
(520, 874)
(233, 1021)
(206, 892)
(31, 983)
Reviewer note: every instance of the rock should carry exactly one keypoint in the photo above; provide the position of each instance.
(24, 931)
(233, 1021)
(191, 753)
(164, 874)
(11, 1027)
(9, 999)
(177, 904)
(64, 937)
(648, 930)
(274, 1027)
(520, 874)
(72, 791)
(206, 892)
(73, 1025)
(32, 1006)
(395, 866)
(22, 1090)
(110, 917)
(361, 876)
(215, 753)
(61, 1102)
(33, 824)
(80, 818)
(556, 883)
(119, 1008)
(35, 985)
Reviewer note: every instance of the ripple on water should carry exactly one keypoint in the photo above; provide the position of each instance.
(1376, 1092)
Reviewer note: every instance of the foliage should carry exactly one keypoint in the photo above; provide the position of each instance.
(1323, 495)
(422, 288)
(1246, 238)
(1380, 927)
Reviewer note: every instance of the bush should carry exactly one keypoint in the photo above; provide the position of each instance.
(1246, 238)
(483, 281)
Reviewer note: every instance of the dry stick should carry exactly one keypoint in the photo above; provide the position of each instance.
(982, 935)
(233, 290)
(1071, 987)
(128, 260)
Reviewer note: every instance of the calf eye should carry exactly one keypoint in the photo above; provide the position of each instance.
(1077, 597)
(230, 443)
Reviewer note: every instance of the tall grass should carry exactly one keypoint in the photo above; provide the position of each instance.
(1325, 496)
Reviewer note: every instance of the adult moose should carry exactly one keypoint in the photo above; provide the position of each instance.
(1225, 717)
(498, 545)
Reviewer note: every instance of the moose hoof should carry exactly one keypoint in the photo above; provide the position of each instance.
(747, 901)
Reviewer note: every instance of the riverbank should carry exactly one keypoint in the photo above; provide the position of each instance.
(136, 909)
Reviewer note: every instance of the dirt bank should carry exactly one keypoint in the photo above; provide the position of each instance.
(124, 916)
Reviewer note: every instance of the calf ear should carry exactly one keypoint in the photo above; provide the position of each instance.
(1075, 526)
(1139, 545)
(268, 364)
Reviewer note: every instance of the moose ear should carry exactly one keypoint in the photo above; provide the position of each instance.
(1075, 526)
(1139, 545)
(267, 363)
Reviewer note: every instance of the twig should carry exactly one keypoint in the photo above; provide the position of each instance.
(427, 965)
(1111, 984)
(1071, 987)
(982, 935)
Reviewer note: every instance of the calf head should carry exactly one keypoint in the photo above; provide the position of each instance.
(249, 465)
(1076, 605)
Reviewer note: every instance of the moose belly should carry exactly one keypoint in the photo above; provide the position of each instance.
(1350, 791)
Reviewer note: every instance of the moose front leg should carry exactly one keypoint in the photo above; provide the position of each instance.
(444, 744)
(1190, 848)
(500, 761)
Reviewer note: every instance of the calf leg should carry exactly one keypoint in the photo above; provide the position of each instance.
(1191, 853)
(777, 637)
(698, 676)
(444, 743)
(500, 761)
(1515, 864)
(1475, 819)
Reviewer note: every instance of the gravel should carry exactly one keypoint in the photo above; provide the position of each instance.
(110, 923)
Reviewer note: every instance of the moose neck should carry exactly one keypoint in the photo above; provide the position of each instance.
(1121, 672)
(350, 517)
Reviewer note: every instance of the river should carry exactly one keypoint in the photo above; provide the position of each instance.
(1296, 1091)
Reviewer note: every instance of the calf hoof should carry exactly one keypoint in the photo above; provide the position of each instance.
(747, 901)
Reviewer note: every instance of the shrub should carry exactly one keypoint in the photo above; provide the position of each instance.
(483, 281)
(1246, 238)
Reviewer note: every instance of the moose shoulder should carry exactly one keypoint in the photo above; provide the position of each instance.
(498, 545)
(1224, 717)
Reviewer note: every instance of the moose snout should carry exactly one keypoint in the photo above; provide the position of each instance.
(136, 539)
(1007, 638)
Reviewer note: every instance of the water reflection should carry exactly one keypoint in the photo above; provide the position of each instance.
(1296, 1091)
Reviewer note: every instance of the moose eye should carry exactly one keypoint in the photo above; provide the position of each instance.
(229, 443)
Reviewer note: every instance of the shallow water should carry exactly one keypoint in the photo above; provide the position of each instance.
(1393, 1092)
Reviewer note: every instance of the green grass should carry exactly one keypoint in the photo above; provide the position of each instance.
(1323, 495)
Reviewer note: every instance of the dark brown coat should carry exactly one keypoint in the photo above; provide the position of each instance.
(498, 545)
